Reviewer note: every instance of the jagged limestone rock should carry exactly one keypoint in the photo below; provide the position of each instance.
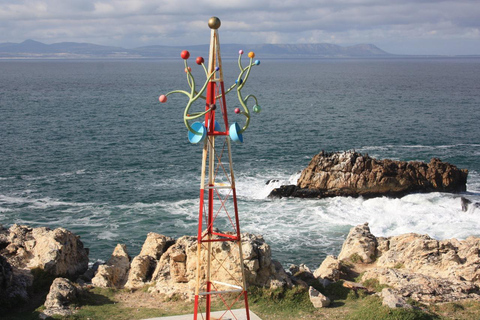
(114, 272)
(353, 174)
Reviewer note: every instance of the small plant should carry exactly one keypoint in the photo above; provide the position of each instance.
(374, 284)
(357, 294)
(398, 265)
(336, 291)
(355, 258)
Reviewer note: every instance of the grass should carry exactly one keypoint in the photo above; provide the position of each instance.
(355, 258)
(278, 304)
(374, 285)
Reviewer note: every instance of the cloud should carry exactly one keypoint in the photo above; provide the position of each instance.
(176, 22)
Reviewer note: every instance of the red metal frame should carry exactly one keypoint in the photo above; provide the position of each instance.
(207, 237)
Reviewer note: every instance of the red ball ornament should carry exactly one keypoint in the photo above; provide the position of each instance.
(237, 110)
(200, 60)
(162, 98)
(185, 54)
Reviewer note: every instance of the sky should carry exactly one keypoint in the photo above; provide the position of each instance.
(450, 27)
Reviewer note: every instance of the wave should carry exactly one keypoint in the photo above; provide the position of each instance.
(41, 203)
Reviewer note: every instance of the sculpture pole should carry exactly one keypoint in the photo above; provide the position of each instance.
(219, 183)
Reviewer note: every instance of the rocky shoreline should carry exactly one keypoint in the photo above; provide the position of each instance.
(353, 174)
(409, 267)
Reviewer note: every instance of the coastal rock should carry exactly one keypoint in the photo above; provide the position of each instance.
(58, 252)
(141, 270)
(359, 246)
(466, 204)
(114, 272)
(393, 300)
(318, 300)
(14, 284)
(176, 270)
(353, 174)
(301, 272)
(155, 245)
(330, 269)
(143, 265)
(62, 293)
(417, 266)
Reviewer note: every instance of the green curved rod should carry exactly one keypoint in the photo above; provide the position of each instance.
(243, 101)
(193, 98)
(194, 95)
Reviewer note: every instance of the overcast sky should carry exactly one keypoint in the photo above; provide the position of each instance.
(402, 27)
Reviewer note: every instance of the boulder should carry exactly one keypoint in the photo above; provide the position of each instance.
(58, 252)
(144, 264)
(330, 269)
(318, 300)
(62, 293)
(417, 266)
(14, 284)
(301, 272)
(175, 272)
(114, 272)
(353, 174)
(466, 204)
(141, 270)
(155, 245)
(425, 288)
(393, 300)
(359, 246)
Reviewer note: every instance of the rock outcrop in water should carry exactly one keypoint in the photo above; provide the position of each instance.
(411, 265)
(353, 174)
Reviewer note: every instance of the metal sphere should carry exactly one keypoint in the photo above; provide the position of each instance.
(214, 23)
(185, 54)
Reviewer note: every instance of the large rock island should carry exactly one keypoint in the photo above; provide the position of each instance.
(353, 174)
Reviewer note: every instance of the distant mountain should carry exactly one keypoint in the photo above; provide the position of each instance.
(35, 49)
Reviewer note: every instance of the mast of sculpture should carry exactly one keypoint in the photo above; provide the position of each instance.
(218, 274)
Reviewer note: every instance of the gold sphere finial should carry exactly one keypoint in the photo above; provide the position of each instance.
(214, 23)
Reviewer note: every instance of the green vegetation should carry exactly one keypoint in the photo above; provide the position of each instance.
(278, 304)
(355, 258)
(374, 285)
(42, 280)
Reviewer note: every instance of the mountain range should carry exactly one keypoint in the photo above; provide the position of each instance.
(35, 49)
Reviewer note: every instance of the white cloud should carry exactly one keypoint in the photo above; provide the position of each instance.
(176, 22)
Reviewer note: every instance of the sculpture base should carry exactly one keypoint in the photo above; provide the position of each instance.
(240, 314)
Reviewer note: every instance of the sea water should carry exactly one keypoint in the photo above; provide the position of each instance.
(85, 145)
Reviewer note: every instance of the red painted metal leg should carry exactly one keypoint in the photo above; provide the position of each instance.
(246, 304)
(196, 308)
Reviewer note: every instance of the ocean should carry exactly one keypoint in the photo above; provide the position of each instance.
(85, 145)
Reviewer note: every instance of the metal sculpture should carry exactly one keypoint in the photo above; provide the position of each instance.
(218, 195)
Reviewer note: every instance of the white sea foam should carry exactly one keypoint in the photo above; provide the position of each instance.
(259, 186)
(107, 235)
(40, 203)
(140, 205)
